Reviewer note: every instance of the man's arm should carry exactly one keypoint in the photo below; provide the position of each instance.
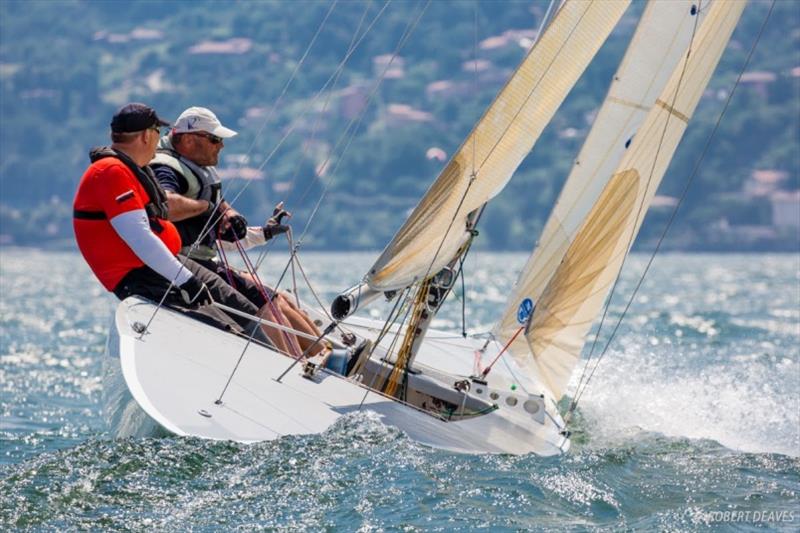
(180, 207)
(123, 204)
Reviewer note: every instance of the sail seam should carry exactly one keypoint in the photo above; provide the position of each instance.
(628, 103)
(672, 111)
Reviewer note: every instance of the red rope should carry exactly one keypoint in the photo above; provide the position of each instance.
(224, 259)
(291, 340)
(489, 368)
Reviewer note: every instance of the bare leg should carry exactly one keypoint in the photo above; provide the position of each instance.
(297, 319)
(300, 322)
(303, 322)
(275, 335)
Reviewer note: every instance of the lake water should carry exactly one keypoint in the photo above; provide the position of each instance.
(692, 421)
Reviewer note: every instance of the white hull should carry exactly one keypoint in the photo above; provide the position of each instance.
(177, 371)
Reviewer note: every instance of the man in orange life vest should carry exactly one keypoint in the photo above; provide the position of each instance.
(120, 222)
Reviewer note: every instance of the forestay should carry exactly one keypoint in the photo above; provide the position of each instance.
(582, 250)
(485, 162)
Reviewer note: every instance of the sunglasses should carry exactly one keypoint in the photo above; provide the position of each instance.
(213, 139)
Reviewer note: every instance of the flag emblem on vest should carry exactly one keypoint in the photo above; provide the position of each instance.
(124, 196)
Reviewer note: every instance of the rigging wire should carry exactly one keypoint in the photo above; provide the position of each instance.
(352, 127)
(291, 78)
(579, 393)
(309, 105)
(317, 123)
(306, 146)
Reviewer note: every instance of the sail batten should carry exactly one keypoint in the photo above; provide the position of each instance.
(485, 162)
(600, 216)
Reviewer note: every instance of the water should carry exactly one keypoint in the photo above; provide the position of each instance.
(692, 421)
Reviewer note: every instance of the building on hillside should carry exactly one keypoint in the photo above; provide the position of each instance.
(352, 100)
(157, 82)
(146, 34)
(522, 38)
(137, 34)
(241, 173)
(662, 201)
(403, 114)
(448, 89)
(759, 81)
(234, 46)
(394, 68)
(786, 209)
(764, 182)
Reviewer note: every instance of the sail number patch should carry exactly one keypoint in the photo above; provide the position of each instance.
(525, 310)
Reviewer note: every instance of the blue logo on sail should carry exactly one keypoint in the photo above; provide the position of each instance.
(525, 310)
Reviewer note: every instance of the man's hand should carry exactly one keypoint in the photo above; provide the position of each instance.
(278, 213)
(236, 229)
(273, 226)
(194, 292)
(272, 229)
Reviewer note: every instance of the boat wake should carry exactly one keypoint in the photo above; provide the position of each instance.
(738, 405)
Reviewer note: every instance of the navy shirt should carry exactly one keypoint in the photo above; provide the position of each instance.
(170, 180)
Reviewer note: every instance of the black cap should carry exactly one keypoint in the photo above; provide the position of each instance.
(135, 117)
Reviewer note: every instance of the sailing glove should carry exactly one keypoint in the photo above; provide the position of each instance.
(194, 292)
(237, 229)
(273, 226)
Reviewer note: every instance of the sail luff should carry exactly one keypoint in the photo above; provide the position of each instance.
(437, 228)
(578, 286)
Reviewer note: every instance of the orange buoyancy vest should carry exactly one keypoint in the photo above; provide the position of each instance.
(108, 188)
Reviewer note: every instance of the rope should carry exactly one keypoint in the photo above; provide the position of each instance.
(291, 340)
(463, 298)
(294, 276)
(685, 190)
(485, 371)
(395, 312)
(408, 340)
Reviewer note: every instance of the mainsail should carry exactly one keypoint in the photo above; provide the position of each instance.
(600, 211)
(485, 162)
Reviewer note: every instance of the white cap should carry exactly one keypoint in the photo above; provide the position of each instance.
(201, 119)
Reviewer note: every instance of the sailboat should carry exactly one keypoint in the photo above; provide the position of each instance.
(189, 379)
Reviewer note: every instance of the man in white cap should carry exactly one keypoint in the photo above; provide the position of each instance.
(185, 167)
